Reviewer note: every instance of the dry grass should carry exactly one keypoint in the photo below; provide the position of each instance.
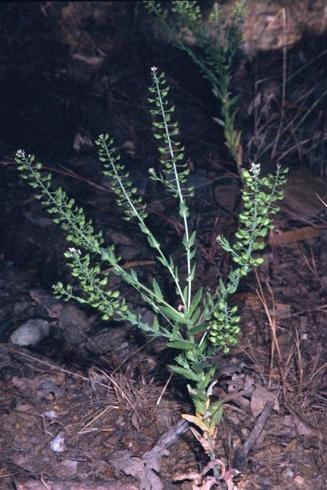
(300, 375)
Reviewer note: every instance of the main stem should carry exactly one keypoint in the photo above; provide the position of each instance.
(180, 195)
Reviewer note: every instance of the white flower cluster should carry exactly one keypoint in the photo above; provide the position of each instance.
(20, 154)
(255, 168)
(75, 251)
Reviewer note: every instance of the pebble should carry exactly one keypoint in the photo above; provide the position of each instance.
(58, 443)
(30, 332)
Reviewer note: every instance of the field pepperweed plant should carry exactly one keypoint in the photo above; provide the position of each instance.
(204, 321)
(212, 44)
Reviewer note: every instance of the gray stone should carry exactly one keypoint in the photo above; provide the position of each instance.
(30, 332)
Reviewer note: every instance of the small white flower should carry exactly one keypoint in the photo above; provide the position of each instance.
(151, 171)
(255, 168)
(73, 250)
(154, 69)
(21, 154)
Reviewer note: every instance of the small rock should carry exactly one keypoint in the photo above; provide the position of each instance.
(299, 481)
(74, 324)
(68, 468)
(50, 414)
(30, 332)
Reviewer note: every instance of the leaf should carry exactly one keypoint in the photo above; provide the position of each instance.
(216, 119)
(186, 373)
(217, 411)
(192, 254)
(156, 325)
(156, 289)
(196, 316)
(172, 314)
(152, 241)
(181, 344)
(195, 302)
(198, 329)
(260, 397)
(196, 421)
(190, 277)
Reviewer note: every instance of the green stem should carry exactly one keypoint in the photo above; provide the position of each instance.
(148, 232)
(76, 229)
(180, 195)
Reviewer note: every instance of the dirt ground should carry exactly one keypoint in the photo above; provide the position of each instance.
(85, 406)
